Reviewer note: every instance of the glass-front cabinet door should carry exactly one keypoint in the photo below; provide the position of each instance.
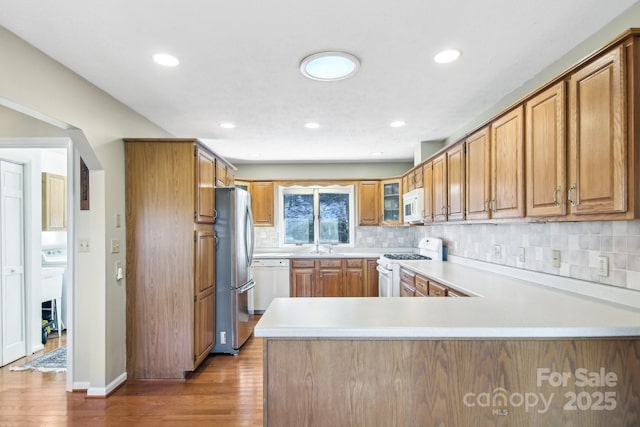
(391, 202)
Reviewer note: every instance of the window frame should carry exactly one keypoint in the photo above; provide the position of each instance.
(316, 190)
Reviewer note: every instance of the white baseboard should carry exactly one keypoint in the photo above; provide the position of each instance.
(104, 391)
(80, 385)
(37, 348)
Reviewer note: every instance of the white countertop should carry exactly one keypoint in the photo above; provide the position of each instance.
(504, 307)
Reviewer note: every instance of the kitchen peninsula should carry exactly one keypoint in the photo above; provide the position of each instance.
(513, 353)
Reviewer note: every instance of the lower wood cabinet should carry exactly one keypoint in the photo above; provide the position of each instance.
(335, 277)
(416, 285)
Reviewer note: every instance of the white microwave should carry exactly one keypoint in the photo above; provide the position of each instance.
(413, 206)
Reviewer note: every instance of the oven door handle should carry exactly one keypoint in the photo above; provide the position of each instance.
(384, 271)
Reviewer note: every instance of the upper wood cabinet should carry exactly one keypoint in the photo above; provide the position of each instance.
(369, 203)
(455, 182)
(597, 137)
(546, 146)
(221, 174)
(427, 179)
(448, 171)
(478, 174)
(205, 185)
(54, 202)
(440, 187)
(412, 179)
(507, 165)
(262, 203)
(391, 201)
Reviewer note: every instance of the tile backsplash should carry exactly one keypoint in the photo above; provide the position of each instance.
(580, 245)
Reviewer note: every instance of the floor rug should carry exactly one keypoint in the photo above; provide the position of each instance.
(54, 361)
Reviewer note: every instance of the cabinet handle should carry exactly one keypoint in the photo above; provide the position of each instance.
(569, 195)
(215, 214)
(555, 197)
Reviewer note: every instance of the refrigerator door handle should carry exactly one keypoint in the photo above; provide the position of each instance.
(249, 235)
(247, 286)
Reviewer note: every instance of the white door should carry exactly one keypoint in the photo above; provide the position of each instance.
(12, 287)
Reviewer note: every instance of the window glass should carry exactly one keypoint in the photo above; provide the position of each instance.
(334, 217)
(298, 218)
(316, 215)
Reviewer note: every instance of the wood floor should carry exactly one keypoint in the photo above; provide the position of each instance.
(225, 391)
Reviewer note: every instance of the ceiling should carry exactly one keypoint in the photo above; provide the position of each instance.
(239, 63)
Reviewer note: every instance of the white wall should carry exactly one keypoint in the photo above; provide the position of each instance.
(31, 79)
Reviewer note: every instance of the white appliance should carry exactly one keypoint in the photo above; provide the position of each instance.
(429, 248)
(413, 206)
(54, 265)
(272, 281)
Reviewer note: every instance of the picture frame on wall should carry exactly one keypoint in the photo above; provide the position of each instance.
(84, 186)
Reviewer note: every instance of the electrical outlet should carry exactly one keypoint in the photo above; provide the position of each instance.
(603, 266)
(83, 246)
(497, 251)
(521, 254)
(555, 258)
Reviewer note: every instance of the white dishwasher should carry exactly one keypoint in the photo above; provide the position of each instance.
(272, 281)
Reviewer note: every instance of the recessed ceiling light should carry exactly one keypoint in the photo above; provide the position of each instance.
(447, 56)
(311, 125)
(397, 124)
(329, 66)
(377, 153)
(227, 125)
(166, 59)
(255, 154)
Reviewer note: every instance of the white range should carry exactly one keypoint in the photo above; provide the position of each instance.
(429, 248)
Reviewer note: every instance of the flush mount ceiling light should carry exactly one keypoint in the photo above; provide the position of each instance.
(166, 59)
(329, 66)
(227, 125)
(397, 124)
(377, 153)
(447, 56)
(312, 125)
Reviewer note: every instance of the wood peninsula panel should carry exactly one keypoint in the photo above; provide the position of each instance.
(587, 383)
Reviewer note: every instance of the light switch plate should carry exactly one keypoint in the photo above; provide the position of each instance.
(497, 251)
(603, 266)
(115, 246)
(555, 258)
(521, 254)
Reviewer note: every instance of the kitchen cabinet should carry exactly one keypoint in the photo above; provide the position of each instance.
(448, 184)
(303, 277)
(422, 286)
(354, 278)
(330, 276)
(440, 187)
(170, 275)
(205, 184)
(391, 198)
(545, 143)
(262, 203)
(407, 283)
(437, 289)
(455, 182)
(368, 202)
(221, 173)
(507, 165)
(478, 174)
(406, 187)
(427, 180)
(333, 277)
(54, 202)
(413, 179)
(372, 288)
(597, 157)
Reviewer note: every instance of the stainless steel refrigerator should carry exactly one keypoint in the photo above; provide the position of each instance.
(234, 253)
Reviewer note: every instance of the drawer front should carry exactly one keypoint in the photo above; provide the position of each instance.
(407, 276)
(406, 291)
(303, 263)
(330, 263)
(355, 263)
(437, 290)
(422, 285)
(455, 293)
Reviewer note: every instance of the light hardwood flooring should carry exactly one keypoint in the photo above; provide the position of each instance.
(225, 391)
